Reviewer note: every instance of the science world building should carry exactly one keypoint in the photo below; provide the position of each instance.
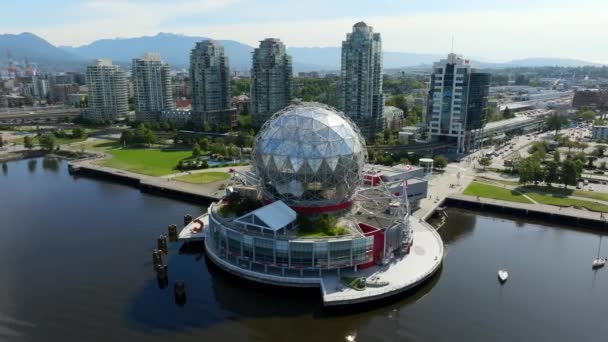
(303, 216)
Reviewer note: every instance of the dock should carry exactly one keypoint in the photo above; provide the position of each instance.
(195, 230)
(562, 215)
(148, 184)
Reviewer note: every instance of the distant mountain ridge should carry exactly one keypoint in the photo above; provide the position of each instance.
(175, 49)
(35, 49)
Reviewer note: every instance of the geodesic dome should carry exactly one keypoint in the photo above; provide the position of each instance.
(309, 155)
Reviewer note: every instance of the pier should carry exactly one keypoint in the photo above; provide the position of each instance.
(148, 184)
(567, 215)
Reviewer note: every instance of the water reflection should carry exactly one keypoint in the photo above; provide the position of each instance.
(50, 164)
(461, 224)
(99, 281)
(31, 165)
(4, 168)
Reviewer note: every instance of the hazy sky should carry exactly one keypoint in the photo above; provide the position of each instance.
(492, 29)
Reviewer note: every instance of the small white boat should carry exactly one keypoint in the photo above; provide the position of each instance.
(503, 275)
(598, 262)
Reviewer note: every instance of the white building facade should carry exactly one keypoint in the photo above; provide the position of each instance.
(152, 87)
(108, 97)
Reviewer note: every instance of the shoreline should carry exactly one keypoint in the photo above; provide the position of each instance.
(567, 216)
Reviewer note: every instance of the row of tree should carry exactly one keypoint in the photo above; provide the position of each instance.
(140, 135)
(532, 169)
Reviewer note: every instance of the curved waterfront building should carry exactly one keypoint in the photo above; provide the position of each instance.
(303, 217)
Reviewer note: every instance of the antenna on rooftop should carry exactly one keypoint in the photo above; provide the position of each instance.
(452, 51)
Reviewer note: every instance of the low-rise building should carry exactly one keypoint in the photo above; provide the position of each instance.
(393, 117)
(62, 91)
(599, 132)
(242, 104)
(177, 116)
(594, 98)
(75, 99)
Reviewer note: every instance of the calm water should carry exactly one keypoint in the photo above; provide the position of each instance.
(76, 267)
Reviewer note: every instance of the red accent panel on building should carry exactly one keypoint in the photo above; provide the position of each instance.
(182, 103)
(378, 235)
(372, 179)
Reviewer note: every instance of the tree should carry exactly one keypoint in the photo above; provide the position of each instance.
(506, 114)
(196, 150)
(205, 127)
(28, 142)
(414, 117)
(204, 143)
(568, 173)
(399, 101)
(485, 161)
(582, 146)
(529, 170)
(440, 162)
(47, 142)
(587, 115)
(540, 148)
(379, 138)
(551, 172)
(599, 150)
(555, 122)
(150, 138)
(127, 137)
(557, 156)
(78, 133)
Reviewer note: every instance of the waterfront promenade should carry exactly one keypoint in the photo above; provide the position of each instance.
(564, 215)
(208, 191)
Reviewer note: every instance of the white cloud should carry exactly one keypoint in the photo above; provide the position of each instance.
(561, 30)
(504, 35)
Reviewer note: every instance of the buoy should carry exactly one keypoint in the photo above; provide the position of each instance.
(180, 292)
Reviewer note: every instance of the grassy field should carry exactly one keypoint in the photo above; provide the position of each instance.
(494, 192)
(501, 181)
(602, 196)
(152, 162)
(98, 145)
(204, 177)
(58, 141)
(567, 202)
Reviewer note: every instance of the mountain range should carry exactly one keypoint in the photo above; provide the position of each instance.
(175, 49)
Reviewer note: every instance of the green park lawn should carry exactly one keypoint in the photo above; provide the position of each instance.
(493, 180)
(567, 202)
(204, 177)
(494, 192)
(99, 145)
(58, 141)
(568, 192)
(152, 162)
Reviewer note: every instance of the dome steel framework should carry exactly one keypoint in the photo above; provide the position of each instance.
(309, 155)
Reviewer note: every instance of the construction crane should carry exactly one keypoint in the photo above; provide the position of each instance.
(12, 68)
